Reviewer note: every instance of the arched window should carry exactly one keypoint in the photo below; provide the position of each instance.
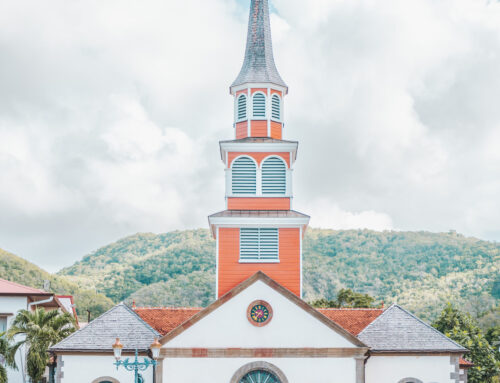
(410, 380)
(259, 372)
(259, 105)
(259, 376)
(242, 107)
(105, 379)
(276, 107)
(274, 176)
(244, 176)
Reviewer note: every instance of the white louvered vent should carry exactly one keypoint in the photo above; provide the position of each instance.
(259, 105)
(274, 176)
(276, 103)
(242, 107)
(259, 245)
(244, 176)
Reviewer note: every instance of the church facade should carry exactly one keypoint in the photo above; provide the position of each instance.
(259, 330)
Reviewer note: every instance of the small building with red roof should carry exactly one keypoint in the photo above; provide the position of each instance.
(15, 297)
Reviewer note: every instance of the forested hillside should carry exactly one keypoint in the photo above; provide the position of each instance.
(419, 270)
(18, 270)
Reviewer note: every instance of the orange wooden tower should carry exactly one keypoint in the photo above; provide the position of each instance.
(259, 231)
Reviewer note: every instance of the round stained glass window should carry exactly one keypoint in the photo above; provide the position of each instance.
(259, 376)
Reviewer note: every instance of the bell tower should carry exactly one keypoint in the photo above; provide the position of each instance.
(259, 231)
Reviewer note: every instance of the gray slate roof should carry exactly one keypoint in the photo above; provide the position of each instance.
(259, 214)
(100, 334)
(400, 331)
(259, 65)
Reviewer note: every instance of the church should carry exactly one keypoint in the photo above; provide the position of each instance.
(259, 330)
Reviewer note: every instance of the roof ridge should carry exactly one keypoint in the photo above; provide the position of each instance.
(88, 324)
(24, 286)
(167, 308)
(376, 319)
(350, 308)
(148, 326)
(429, 326)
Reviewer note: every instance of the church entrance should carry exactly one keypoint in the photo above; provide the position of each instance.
(259, 376)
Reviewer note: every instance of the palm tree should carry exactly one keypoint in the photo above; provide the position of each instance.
(7, 353)
(41, 329)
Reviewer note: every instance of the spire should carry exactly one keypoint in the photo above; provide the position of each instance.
(259, 66)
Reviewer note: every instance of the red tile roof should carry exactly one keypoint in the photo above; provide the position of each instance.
(465, 363)
(7, 287)
(353, 320)
(164, 319)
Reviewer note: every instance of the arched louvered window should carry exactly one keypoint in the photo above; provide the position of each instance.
(259, 105)
(276, 107)
(244, 176)
(242, 107)
(274, 176)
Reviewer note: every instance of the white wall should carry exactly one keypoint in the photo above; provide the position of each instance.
(290, 327)
(86, 368)
(391, 369)
(12, 305)
(219, 370)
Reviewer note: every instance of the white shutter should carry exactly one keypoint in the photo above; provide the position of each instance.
(259, 244)
(244, 175)
(242, 107)
(259, 105)
(276, 107)
(274, 176)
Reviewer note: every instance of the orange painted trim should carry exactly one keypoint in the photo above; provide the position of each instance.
(259, 156)
(255, 90)
(231, 272)
(264, 203)
(244, 91)
(274, 91)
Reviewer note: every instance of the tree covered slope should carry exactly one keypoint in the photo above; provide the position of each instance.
(16, 269)
(420, 270)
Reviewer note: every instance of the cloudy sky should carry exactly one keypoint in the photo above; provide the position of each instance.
(111, 112)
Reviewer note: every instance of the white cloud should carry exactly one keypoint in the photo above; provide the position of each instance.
(326, 214)
(110, 115)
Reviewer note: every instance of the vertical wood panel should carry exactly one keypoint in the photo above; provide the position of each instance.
(232, 273)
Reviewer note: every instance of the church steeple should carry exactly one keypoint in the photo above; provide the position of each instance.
(258, 66)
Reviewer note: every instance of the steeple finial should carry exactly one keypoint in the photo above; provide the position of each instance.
(259, 66)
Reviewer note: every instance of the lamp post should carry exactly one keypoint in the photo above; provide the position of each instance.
(136, 365)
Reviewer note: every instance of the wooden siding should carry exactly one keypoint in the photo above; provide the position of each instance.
(241, 130)
(232, 273)
(258, 203)
(259, 156)
(259, 128)
(276, 130)
(244, 91)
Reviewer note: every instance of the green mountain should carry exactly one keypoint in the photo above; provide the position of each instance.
(419, 270)
(16, 269)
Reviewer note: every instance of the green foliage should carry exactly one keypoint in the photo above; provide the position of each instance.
(421, 271)
(124, 267)
(8, 353)
(18, 270)
(193, 290)
(463, 329)
(39, 330)
(346, 298)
